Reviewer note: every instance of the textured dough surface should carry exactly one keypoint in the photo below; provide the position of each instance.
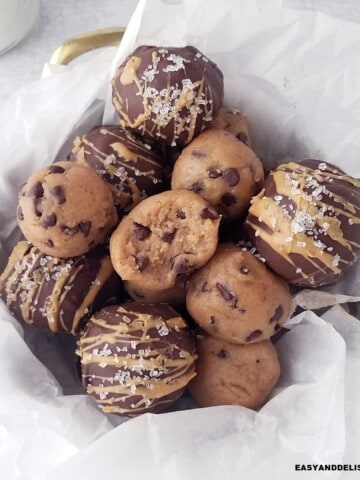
(221, 169)
(230, 374)
(65, 209)
(165, 236)
(235, 297)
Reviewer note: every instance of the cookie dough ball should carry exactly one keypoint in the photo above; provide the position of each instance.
(167, 94)
(130, 167)
(56, 293)
(174, 295)
(236, 298)
(221, 169)
(136, 358)
(230, 374)
(234, 122)
(65, 209)
(306, 222)
(166, 235)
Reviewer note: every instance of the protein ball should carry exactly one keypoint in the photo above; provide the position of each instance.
(129, 166)
(221, 169)
(306, 222)
(233, 121)
(65, 209)
(56, 293)
(164, 237)
(230, 374)
(167, 94)
(237, 298)
(136, 358)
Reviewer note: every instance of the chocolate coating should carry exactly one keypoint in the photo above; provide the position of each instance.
(167, 94)
(129, 166)
(54, 293)
(306, 222)
(136, 358)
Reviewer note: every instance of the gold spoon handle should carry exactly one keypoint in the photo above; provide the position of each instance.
(76, 46)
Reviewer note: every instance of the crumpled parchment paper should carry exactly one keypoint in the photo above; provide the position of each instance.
(296, 75)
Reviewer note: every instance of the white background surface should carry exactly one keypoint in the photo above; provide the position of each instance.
(60, 20)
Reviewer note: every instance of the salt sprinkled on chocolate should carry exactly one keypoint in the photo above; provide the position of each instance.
(167, 94)
(315, 243)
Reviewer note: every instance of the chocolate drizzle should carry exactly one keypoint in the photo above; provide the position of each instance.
(136, 358)
(306, 222)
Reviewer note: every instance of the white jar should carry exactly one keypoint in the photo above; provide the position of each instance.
(17, 17)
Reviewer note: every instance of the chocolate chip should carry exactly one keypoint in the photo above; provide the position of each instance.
(56, 169)
(198, 153)
(49, 243)
(181, 214)
(257, 360)
(141, 231)
(142, 262)
(214, 173)
(231, 176)
(277, 315)
(37, 204)
(207, 213)
(196, 187)
(36, 191)
(85, 228)
(69, 230)
(212, 320)
(19, 214)
(277, 327)
(253, 335)
(228, 199)
(181, 265)
(223, 354)
(204, 287)
(168, 237)
(244, 270)
(58, 192)
(48, 220)
(243, 138)
(227, 295)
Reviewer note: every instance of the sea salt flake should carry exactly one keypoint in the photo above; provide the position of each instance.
(336, 260)
(163, 330)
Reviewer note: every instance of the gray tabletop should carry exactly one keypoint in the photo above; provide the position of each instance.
(59, 20)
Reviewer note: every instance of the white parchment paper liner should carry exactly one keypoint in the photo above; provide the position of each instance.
(297, 77)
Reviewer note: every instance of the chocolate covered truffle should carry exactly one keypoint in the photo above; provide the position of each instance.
(306, 222)
(221, 169)
(129, 166)
(236, 298)
(55, 293)
(230, 374)
(65, 209)
(166, 236)
(167, 94)
(136, 358)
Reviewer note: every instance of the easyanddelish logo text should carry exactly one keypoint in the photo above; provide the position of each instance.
(328, 467)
